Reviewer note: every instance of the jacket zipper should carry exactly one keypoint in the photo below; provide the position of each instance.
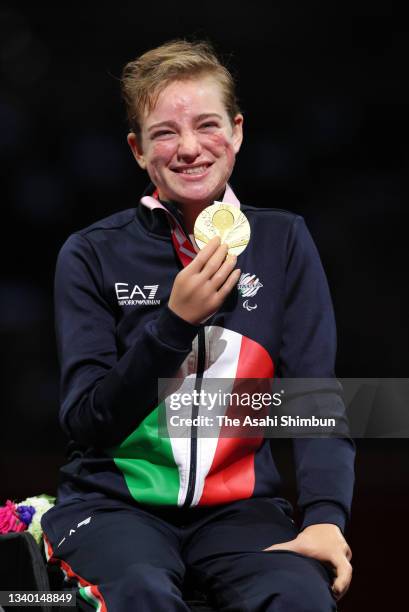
(201, 358)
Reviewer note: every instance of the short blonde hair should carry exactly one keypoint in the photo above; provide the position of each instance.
(144, 78)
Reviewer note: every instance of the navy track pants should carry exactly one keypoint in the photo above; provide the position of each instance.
(131, 557)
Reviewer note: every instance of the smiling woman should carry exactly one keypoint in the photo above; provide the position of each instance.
(138, 301)
(188, 144)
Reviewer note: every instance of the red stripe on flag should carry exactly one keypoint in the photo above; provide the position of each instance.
(232, 475)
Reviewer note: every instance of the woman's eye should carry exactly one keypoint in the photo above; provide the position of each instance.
(162, 133)
(209, 124)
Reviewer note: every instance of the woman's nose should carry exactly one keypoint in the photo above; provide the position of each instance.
(189, 145)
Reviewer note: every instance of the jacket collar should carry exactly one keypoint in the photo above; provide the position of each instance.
(156, 221)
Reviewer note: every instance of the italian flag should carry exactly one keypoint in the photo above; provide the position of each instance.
(156, 468)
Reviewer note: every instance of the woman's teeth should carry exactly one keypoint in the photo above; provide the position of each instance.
(197, 170)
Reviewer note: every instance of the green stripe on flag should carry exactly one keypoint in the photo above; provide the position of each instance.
(147, 463)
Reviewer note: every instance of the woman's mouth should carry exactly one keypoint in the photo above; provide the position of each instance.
(193, 171)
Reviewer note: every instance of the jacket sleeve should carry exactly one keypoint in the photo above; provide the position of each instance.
(324, 466)
(103, 397)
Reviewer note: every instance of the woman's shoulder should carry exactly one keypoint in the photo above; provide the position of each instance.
(270, 220)
(115, 221)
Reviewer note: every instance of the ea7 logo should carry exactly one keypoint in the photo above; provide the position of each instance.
(134, 295)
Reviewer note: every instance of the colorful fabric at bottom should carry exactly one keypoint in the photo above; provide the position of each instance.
(153, 550)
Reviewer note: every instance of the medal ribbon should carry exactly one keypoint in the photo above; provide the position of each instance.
(181, 242)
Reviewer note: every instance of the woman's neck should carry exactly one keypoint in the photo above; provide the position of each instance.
(190, 214)
(191, 211)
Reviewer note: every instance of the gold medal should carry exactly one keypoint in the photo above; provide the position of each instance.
(224, 220)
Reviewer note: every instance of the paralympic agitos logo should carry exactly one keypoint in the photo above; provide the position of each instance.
(248, 286)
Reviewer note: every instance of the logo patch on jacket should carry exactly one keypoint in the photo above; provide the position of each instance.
(248, 286)
(135, 295)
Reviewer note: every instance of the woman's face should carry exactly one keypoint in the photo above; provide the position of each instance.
(188, 143)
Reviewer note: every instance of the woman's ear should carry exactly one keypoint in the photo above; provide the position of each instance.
(237, 132)
(135, 145)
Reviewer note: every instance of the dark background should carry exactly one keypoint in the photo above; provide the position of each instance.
(323, 87)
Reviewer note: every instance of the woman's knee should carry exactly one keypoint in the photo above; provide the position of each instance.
(306, 588)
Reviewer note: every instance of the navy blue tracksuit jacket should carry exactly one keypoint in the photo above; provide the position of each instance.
(117, 336)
